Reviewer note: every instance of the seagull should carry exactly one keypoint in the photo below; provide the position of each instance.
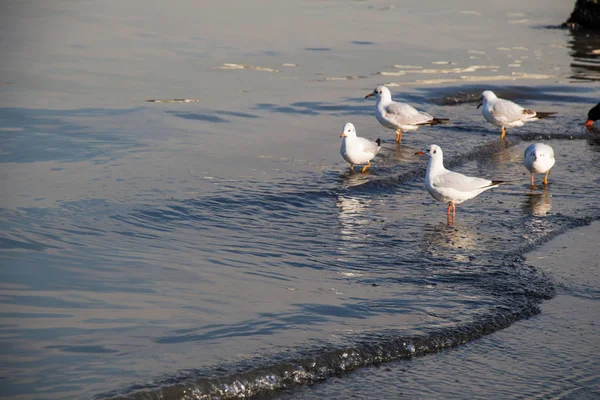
(593, 115)
(399, 116)
(451, 187)
(538, 158)
(505, 113)
(357, 150)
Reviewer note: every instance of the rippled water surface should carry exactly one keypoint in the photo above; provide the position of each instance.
(220, 247)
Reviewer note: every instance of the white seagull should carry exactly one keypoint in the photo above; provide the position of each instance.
(451, 187)
(539, 158)
(399, 116)
(505, 113)
(357, 150)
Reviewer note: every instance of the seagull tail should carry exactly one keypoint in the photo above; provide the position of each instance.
(541, 115)
(437, 121)
(497, 183)
(378, 141)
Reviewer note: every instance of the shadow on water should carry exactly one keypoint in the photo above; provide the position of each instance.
(348, 107)
(31, 135)
(211, 115)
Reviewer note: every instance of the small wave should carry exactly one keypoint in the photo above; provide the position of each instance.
(320, 364)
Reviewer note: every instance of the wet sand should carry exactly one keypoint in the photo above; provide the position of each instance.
(553, 355)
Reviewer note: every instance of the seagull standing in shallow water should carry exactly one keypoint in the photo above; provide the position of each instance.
(451, 187)
(539, 158)
(505, 113)
(399, 116)
(357, 150)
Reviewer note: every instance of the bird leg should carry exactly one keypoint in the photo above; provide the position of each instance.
(366, 166)
(448, 218)
(532, 184)
(453, 212)
(502, 133)
(398, 135)
(546, 177)
(351, 168)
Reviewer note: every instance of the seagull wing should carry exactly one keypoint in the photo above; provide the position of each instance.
(368, 146)
(460, 182)
(506, 111)
(405, 114)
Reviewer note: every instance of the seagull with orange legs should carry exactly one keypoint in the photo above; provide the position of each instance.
(538, 159)
(505, 113)
(593, 115)
(356, 150)
(399, 116)
(451, 187)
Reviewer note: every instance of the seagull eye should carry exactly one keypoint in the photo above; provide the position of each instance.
(435, 151)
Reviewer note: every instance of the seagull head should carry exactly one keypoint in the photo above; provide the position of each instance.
(486, 96)
(349, 130)
(379, 92)
(434, 151)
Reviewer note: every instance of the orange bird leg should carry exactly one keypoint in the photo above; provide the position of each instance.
(351, 168)
(453, 212)
(366, 166)
(502, 133)
(546, 177)
(532, 185)
(448, 213)
(398, 135)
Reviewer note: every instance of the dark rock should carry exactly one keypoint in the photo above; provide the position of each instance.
(585, 15)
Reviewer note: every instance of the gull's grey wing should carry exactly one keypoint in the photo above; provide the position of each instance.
(463, 183)
(405, 114)
(368, 145)
(507, 111)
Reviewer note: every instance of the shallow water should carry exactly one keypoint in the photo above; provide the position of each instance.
(165, 246)
(550, 355)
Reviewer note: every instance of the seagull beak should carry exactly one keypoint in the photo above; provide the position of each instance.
(479, 105)
(343, 135)
(589, 123)
(370, 95)
(420, 153)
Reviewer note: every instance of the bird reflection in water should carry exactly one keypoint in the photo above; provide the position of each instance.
(456, 243)
(349, 179)
(353, 219)
(538, 204)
